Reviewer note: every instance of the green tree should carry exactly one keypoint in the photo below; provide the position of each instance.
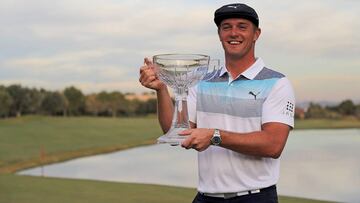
(133, 107)
(317, 111)
(93, 105)
(55, 103)
(5, 102)
(35, 99)
(357, 111)
(104, 99)
(118, 104)
(112, 103)
(347, 107)
(21, 99)
(146, 107)
(76, 100)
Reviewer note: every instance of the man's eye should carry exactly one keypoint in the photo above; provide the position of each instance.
(226, 27)
(243, 27)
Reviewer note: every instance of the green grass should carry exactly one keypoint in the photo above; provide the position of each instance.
(23, 139)
(53, 190)
(44, 190)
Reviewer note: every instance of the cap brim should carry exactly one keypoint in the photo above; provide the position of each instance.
(219, 18)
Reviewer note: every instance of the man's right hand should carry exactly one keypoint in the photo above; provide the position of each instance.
(148, 77)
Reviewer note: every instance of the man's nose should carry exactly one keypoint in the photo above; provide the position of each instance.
(234, 32)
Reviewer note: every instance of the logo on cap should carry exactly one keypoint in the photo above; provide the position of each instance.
(232, 6)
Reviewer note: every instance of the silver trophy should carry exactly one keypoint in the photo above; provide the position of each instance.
(180, 72)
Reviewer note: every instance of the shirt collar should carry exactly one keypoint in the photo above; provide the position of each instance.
(249, 73)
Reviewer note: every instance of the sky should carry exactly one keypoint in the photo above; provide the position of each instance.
(99, 45)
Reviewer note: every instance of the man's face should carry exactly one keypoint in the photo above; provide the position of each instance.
(238, 36)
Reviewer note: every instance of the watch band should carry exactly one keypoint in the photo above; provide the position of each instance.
(216, 138)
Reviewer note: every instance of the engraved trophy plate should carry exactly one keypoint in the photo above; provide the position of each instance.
(180, 72)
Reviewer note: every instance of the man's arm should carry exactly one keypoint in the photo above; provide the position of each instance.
(165, 109)
(269, 142)
(165, 105)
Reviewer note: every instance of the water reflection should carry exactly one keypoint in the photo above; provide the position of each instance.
(320, 164)
(159, 164)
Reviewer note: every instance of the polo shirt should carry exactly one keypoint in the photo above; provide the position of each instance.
(259, 95)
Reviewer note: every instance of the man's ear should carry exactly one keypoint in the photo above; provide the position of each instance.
(218, 32)
(257, 34)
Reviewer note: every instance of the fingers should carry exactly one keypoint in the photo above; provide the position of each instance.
(147, 65)
(146, 68)
(187, 143)
(198, 139)
(148, 62)
(148, 76)
(185, 132)
(191, 143)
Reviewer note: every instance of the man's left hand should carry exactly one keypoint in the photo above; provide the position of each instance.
(198, 138)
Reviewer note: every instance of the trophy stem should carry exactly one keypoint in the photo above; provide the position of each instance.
(180, 119)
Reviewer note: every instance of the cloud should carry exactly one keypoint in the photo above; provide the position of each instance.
(314, 28)
(85, 65)
(328, 87)
(96, 42)
(100, 44)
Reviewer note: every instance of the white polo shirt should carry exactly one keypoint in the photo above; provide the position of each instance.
(259, 95)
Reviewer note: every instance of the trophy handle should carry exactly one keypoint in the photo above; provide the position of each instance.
(213, 69)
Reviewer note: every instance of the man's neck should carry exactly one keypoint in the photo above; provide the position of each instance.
(236, 66)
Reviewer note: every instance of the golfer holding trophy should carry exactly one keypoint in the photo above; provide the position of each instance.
(238, 117)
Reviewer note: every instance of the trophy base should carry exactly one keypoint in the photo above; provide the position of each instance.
(172, 137)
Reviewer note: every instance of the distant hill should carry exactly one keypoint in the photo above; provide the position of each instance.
(305, 104)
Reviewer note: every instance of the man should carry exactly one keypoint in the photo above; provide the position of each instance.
(240, 120)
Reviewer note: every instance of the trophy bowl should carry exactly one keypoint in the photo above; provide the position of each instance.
(180, 72)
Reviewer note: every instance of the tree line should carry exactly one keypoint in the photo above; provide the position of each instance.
(16, 100)
(346, 108)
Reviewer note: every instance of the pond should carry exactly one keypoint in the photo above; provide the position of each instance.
(318, 164)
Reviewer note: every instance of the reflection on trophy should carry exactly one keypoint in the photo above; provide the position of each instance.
(180, 72)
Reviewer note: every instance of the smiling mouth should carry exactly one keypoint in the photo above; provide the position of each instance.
(234, 42)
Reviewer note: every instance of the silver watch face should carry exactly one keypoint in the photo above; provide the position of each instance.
(216, 140)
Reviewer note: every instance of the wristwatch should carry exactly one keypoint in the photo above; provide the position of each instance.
(216, 138)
